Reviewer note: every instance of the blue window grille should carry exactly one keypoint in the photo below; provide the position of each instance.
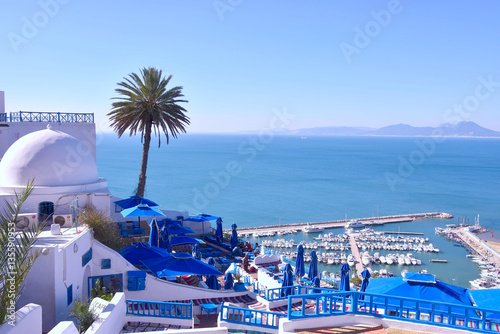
(136, 280)
(105, 263)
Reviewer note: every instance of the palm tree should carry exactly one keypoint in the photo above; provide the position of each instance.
(145, 105)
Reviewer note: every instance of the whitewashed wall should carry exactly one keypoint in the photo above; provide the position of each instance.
(28, 320)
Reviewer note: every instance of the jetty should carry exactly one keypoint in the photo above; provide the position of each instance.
(341, 223)
(355, 253)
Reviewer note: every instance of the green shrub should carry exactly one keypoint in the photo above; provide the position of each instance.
(356, 281)
(84, 317)
(100, 292)
(105, 231)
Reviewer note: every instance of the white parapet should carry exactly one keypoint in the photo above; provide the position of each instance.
(27, 319)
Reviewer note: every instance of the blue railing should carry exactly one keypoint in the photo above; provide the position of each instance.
(160, 309)
(3, 117)
(53, 117)
(250, 317)
(390, 307)
(281, 293)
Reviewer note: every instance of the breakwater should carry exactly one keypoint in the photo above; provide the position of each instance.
(341, 223)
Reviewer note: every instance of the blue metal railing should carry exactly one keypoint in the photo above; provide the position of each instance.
(3, 117)
(406, 309)
(160, 309)
(281, 293)
(54, 117)
(250, 317)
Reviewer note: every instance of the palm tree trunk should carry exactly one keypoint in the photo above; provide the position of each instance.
(141, 187)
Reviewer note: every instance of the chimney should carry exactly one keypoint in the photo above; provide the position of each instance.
(2, 102)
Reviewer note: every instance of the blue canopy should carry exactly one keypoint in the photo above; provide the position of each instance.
(432, 291)
(175, 228)
(228, 281)
(142, 210)
(234, 236)
(142, 251)
(366, 279)
(344, 278)
(181, 239)
(134, 201)
(202, 217)
(182, 264)
(164, 243)
(299, 262)
(218, 232)
(313, 266)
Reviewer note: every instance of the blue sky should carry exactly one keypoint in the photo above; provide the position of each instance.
(327, 63)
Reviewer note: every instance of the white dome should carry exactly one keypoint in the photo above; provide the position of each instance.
(52, 158)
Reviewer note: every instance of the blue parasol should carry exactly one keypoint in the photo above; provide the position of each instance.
(180, 264)
(142, 210)
(344, 278)
(299, 262)
(202, 217)
(196, 252)
(366, 279)
(140, 251)
(287, 280)
(228, 281)
(316, 283)
(234, 236)
(134, 201)
(212, 281)
(182, 239)
(218, 232)
(313, 266)
(154, 227)
(164, 243)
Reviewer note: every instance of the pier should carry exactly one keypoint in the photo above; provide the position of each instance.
(341, 223)
(357, 256)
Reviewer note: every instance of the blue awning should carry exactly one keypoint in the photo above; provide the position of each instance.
(172, 266)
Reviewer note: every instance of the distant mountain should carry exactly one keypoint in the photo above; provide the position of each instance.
(462, 129)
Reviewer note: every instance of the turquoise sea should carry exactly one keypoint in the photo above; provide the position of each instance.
(268, 179)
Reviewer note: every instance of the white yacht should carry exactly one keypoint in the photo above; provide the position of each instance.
(312, 229)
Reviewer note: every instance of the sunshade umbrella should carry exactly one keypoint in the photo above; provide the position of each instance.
(212, 281)
(182, 239)
(164, 243)
(228, 281)
(134, 201)
(313, 266)
(154, 228)
(142, 251)
(180, 264)
(196, 252)
(142, 210)
(175, 228)
(202, 217)
(218, 232)
(366, 278)
(299, 262)
(287, 280)
(316, 283)
(344, 277)
(234, 236)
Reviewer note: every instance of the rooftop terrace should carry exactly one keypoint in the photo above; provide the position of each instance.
(54, 117)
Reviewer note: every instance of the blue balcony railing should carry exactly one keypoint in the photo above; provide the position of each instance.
(160, 309)
(282, 293)
(3, 117)
(250, 317)
(406, 309)
(52, 117)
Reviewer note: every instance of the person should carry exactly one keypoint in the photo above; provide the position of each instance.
(256, 249)
(245, 262)
(248, 247)
(236, 251)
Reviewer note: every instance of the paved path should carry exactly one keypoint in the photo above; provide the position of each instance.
(357, 256)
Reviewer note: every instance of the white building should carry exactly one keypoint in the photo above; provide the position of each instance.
(64, 172)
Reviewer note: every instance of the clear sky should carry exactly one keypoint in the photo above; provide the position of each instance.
(327, 63)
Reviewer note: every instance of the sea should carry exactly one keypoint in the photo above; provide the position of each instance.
(268, 179)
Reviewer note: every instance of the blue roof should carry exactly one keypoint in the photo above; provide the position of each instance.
(434, 292)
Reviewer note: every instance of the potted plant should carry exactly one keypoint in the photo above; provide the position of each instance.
(238, 285)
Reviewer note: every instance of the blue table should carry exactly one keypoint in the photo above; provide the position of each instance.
(209, 308)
